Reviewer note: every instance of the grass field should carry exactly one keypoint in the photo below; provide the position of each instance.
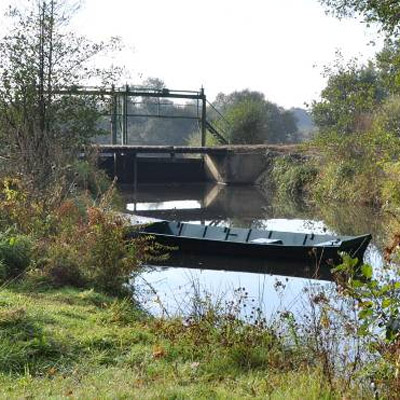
(76, 344)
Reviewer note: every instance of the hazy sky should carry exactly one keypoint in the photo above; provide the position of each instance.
(278, 47)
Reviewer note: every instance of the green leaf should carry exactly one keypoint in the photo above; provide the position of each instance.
(367, 271)
(387, 303)
(365, 313)
(356, 283)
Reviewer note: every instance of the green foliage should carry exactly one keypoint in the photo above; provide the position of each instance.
(388, 65)
(358, 139)
(71, 242)
(356, 168)
(384, 12)
(254, 120)
(15, 255)
(293, 177)
(390, 192)
(247, 119)
(87, 249)
(387, 117)
(351, 94)
(377, 302)
(85, 176)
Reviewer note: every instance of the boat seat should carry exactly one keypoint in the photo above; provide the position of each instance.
(334, 242)
(266, 241)
(215, 233)
(236, 235)
(191, 230)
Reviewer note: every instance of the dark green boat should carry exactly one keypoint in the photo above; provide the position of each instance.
(255, 242)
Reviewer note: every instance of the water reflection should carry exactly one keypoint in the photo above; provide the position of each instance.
(165, 206)
(177, 287)
(176, 281)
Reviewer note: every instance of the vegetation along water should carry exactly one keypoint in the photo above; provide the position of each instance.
(73, 322)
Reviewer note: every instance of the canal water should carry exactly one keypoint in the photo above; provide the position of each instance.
(178, 285)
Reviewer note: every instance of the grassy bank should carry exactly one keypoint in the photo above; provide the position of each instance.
(70, 343)
(361, 168)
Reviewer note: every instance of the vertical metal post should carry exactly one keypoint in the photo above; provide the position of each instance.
(125, 116)
(135, 167)
(115, 164)
(203, 117)
(113, 116)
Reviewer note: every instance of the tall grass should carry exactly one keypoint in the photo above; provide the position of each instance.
(83, 344)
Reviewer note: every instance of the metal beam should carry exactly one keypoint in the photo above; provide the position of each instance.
(162, 116)
(131, 149)
(113, 117)
(203, 118)
(164, 93)
(125, 116)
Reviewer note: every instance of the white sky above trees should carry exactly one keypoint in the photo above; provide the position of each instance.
(278, 47)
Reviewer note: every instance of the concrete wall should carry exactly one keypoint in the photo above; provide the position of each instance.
(155, 169)
(234, 168)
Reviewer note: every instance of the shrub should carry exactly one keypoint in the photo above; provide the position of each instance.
(75, 240)
(83, 175)
(292, 177)
(377, 302)
(109, 258)
(15, 255)
(390, 191)
(89, 248)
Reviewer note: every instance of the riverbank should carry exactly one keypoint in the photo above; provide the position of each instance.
(361, 169)
(70, 343)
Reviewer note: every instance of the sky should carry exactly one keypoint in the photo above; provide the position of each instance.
(278, 47)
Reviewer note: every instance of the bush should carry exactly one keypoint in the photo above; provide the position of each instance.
(89, 248)
(293, 177)
(390, 191)
(377, 301)
(15, 255)
(357, 167)
(72, 240)
(85, 176)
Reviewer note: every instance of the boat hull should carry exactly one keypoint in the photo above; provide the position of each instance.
(317, 254)
(234, 246)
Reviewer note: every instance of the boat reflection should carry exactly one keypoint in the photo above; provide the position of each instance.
(309, 270)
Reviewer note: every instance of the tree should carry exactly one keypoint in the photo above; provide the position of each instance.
(254, 120)
(248, 122)
(351, 94)
(384, 12)
(39, 127)
(388, 64)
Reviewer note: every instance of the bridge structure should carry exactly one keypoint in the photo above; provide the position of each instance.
(225, 163)
(228, 164)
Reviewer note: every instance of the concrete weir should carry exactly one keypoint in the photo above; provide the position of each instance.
(231, 164)
(234, 167)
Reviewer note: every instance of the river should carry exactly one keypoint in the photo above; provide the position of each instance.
(172, 287)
